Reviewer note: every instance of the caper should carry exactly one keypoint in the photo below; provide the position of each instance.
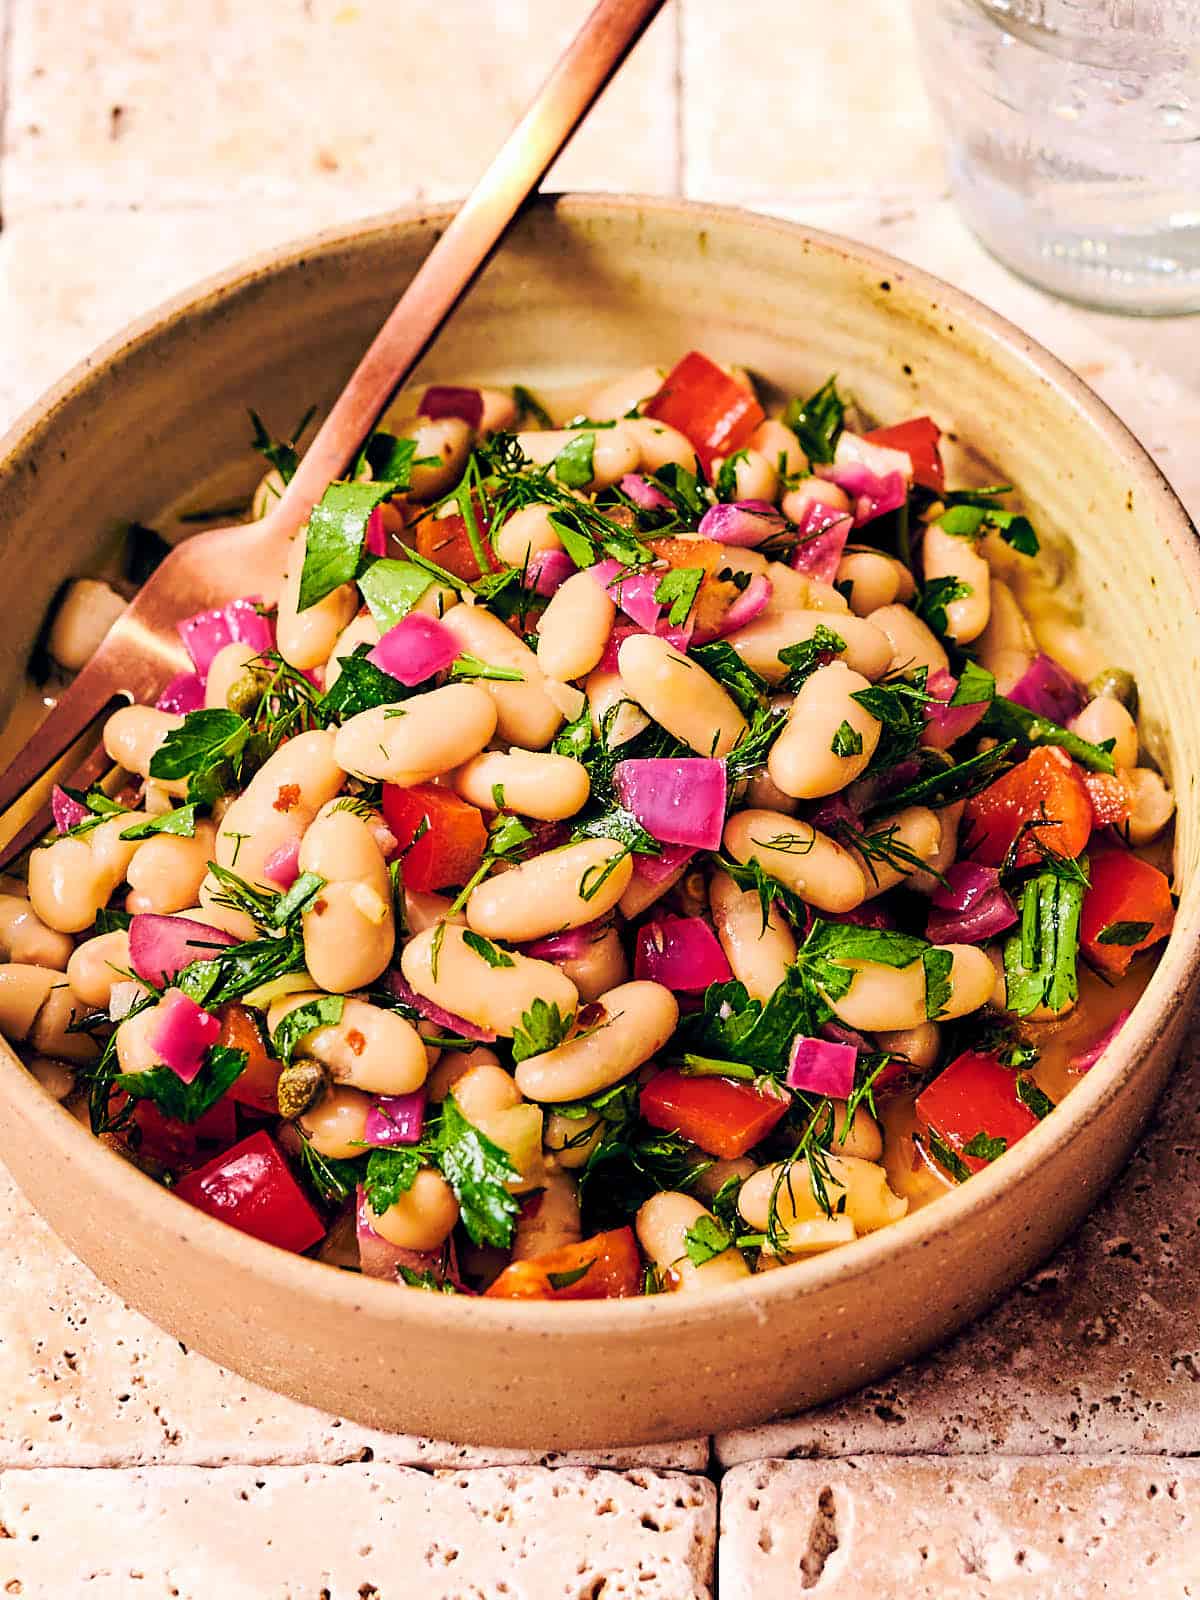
(247, 690)
(1116, 684)
(299, 1085)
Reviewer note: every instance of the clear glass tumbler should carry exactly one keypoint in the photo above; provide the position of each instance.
(1073, 140)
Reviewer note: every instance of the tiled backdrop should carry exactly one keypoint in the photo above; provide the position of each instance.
(147, 143)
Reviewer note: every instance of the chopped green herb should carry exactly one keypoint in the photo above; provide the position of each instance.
(1040, 958)
(574, 466)
(937, 594)
(542, 1027)
(976, 686)
(391, 589)
(678, 589)
(427, 1280)
(1036, 1099)
(486, 950)
(564, 1280)
(469, 666)
(528, 405)
(337, 529)
(938, 965)
(303, 1020)
(984, 1148)
(817, 421)
(284, 457)
(187, 1102)
(947, 1158)
(973, 521)
(803, 659)
(722, 662)
(1125, 933)
(479, 1173)
(181, 822)
(360, 686)
(705, 1240)
(1007, 720)
(726, 484)
(847, 741)
(390, 1174)
(330, 1179)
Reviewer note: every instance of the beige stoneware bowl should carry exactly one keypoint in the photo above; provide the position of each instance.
(588, 286)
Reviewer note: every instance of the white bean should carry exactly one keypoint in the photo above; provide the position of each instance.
(680, 695)
(362, 629)
(24, 937)
(663, 1224)
(445, 441)
(98, 963)
(166, 873)
(813, 491)
(525, 715)
(133, 735)
(808, 863)
(659, 444)
(1106, 718)
(1006, 645)
(913, 644)
(228, 667)
(779, 444)
(456, 978)
(574, 629)
(305, 638)
(527, 532)
(53, 1032)
(1153, 805)
(614, 713)
(551, 892)
(920, 1045)
(423, 1218)
(638, 1019)
(867, 649)
(815, 754)
(70, 879)
(86, 612)
(869, 1202)
(614, 452)
(759, 957)
(550, 1220)
(336, 1125)
(755, 476)
(435, 732)
(915, 831)
(24, 990)
(349, 930)
(369, 1048)
(614, 398)
(946, 555)
(531, 782)
(601, 966)
(890, 998)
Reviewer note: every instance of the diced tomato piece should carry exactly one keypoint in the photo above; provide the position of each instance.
(712, 410)
(975, 1094)
(919, 437)
(1111, 796)
(604, 1267)
(451, 847)
(167, 1142)
(722, 1117)
(252, 1188)
(447, 540)
(1048, 788)
(257, 1084)
(1125, 889)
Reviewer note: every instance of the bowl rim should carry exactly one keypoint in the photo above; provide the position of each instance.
(279, 1269)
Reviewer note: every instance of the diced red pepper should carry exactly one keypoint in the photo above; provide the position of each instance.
(447, 540)
(1111, 796)
(604, 1267)
(260, 1077)
(919, 437)
(1125, 889)
(252, 1188)
(713, 411)
(1047, 788)
(722, 1117)
(167, 1142)
(975, 1094)
(453, 843)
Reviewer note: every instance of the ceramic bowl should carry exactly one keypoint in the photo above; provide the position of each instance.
(587, 286)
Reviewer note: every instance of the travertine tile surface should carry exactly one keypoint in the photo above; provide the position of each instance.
(353, 1533)
(876, 1528)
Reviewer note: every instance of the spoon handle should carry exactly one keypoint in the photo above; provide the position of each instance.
(594, 55)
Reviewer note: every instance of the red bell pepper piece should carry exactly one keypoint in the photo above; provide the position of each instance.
(722, 1117)
(1125, 889)
(447, 540)
(1111, 796)
(713, 411)
(604, 1267)
(453, 843)
(259, 1080)
(919, 437)
(1048, 788)
(252, 1188)
(975, 1094)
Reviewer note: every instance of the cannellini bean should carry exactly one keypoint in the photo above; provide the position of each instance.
(423, 1218)
(1006, 645)
(615, 451)
(762, 792)
(490, 1100)
(614, 398)
(869, 1203)
(601, 966)
(638, 1019)
(444, 440)
(809, 863)
(453, 1065)
(437, 600)
(362, 629)
(166, 874)
(776, 441)
(643, 892)
(813, 491)
(574, 628)
(890, 998)
(349, 930)
(337, 1124)
(571, 1140)
(606, 693)
(70, 879)
(499, 411)
(708, 1183)
(305, 638)
(525, 715)
(875, 580)
(485, 1089)
(916, 830)
(52, 1035)
(796, 591)
(55, 1077)
(662, 1225)
(96, 965)
(86, 612)
(862, 1138)
(759, 957)
(867, 649)
(939, 863)
(24, 937)
(755, 475)
(807, 1238)
(813, 756)
(1106, 718)
(532, 782)
(946, 555)
(659, 444)
(24, 990)
(457, 979)
(1153, 805)
(230, 666)
(527, 532)
(549, 1220)
(680, 695)
(556, 890)
(920, 1045)
(1061, 634)
(370, 1048)
(436, 731)
(422, 911)
(913, 644)
(133, 734)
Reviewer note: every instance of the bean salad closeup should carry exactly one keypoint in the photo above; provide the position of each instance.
(648, 843)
